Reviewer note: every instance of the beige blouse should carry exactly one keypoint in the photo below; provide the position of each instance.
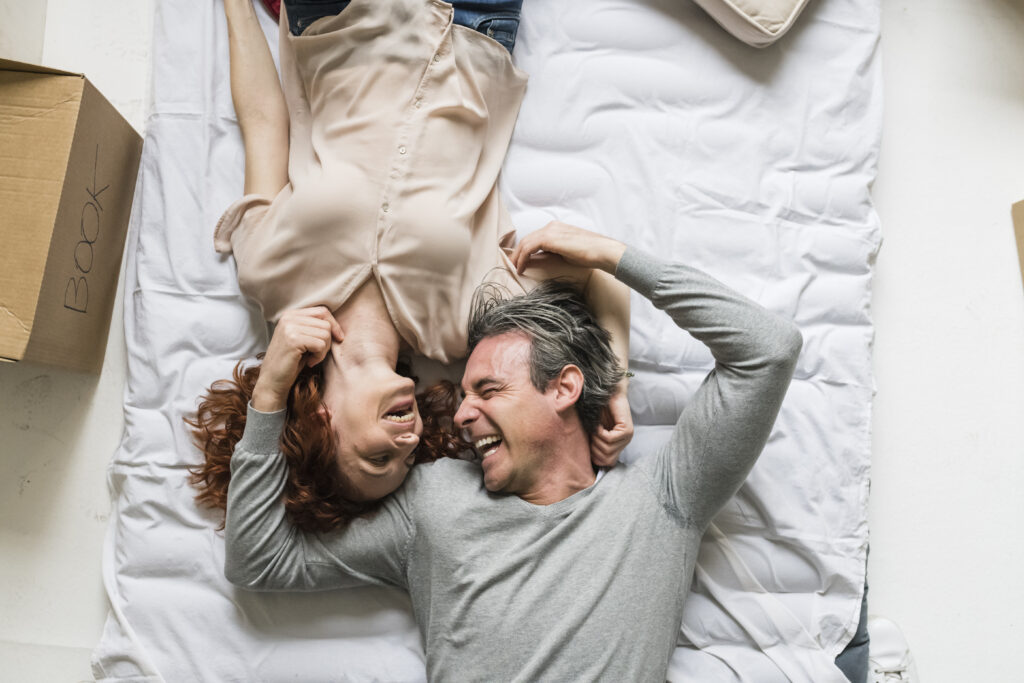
(400, 121)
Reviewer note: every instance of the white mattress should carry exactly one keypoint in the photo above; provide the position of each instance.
(643, 120)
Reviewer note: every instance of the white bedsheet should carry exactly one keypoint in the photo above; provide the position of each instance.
(643, 120)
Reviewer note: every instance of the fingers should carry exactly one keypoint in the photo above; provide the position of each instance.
(607, 444)
(526, 248)
(308, 337)
(321, 313)
(336, 330)
(602, 455)
(316, 316)
(311, 341)
(545, 238)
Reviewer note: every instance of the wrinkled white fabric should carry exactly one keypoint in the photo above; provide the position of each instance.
(642, 120)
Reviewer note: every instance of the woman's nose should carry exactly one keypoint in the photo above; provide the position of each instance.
(408, 438)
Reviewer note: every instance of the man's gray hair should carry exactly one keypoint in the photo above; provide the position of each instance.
(562, 331)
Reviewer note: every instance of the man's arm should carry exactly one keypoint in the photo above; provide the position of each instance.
(265, 552)
(608, 300)
(726, 424)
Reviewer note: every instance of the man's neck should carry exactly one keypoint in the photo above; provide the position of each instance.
(570, 472)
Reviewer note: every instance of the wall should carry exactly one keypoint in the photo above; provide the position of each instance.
(947, 514)
(22, 26)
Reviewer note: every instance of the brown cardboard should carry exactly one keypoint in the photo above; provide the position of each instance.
(68, 163)
(1018, 228)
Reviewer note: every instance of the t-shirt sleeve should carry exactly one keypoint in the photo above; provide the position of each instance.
(265, 552)
(726, 423)
(238, 218)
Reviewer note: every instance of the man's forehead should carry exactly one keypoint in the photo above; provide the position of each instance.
(502, 356)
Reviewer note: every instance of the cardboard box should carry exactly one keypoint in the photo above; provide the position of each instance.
(68, 163)
(1018, 228)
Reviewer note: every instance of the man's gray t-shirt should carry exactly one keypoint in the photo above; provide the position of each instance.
(588, 588)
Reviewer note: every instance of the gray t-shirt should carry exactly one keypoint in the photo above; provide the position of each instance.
(589, 588)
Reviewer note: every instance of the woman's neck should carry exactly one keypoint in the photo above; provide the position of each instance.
(370, 336)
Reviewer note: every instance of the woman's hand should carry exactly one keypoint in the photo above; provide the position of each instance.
(577, 246)
(615, 431)
(302, 338)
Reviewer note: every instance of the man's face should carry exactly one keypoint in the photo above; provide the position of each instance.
(509, 422)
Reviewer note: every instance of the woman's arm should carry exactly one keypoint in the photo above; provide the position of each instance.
(263, 550)
(259, 101)
(607, 298)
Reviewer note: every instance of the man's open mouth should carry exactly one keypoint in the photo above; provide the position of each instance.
(487, 445)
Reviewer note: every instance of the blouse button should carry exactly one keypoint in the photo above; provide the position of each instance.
(401, 150)
(437, 58)
(385, 207)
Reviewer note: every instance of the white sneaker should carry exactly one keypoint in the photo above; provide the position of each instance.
(889, 655)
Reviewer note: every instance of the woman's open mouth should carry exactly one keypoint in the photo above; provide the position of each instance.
(402, 412)
(402, 416)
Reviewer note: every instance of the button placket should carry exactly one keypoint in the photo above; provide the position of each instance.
(403, 150)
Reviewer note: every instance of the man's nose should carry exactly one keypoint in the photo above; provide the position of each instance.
(466, 413)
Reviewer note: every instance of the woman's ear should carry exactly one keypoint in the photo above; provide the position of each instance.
(324, 412)
(567, 387)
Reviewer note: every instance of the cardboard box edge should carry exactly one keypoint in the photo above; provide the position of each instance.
(1017, 212)
(27, 67)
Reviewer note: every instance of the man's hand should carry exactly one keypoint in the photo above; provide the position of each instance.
(615, 431)
(302, 338)
(577, 246)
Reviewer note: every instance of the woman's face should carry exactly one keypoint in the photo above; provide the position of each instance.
(377, 426)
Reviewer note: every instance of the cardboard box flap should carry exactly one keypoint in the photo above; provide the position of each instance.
(11, 65)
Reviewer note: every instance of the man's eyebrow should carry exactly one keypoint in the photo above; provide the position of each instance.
(479, 384)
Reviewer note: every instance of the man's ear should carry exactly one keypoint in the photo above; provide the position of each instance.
(567, 387)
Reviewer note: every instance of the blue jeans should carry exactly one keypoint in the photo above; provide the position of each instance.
(497, 19)
(853, 661)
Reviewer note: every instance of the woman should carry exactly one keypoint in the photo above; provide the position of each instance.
(371, 214)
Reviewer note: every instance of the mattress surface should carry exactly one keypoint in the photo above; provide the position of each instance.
(645, 121)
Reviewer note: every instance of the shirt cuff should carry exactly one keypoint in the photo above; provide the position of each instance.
(262, 431)
(640, 271)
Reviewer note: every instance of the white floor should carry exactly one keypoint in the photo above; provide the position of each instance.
(947, 518)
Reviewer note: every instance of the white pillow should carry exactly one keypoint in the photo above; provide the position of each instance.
(756, 22)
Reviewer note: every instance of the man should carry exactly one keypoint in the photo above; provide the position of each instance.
(546, 570)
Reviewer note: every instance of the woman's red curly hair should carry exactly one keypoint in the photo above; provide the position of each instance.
(312, 495)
